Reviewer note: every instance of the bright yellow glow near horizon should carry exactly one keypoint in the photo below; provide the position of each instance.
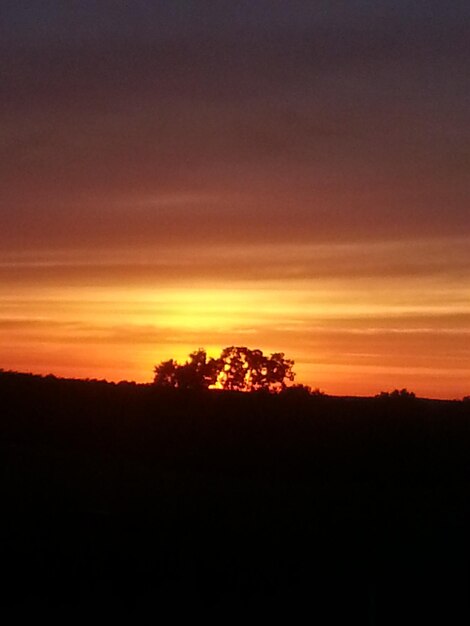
(347, 336)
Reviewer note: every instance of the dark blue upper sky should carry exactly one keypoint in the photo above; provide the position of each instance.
(354, 115)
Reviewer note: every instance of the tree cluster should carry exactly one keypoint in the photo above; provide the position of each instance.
(397, 394)
(238, 368)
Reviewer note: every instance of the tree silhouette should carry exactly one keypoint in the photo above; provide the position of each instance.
(397, 394)
(237, 369)
(234, 368)
(198, 372)
(278, 370)
(165, 374)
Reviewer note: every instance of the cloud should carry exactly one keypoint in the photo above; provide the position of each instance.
(392, 263)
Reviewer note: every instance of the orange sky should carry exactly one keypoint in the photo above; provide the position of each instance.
(277, 175)
(355, 318)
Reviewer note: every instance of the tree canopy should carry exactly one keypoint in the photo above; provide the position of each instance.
(238, 368)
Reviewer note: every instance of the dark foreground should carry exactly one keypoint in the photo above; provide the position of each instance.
(123, 498)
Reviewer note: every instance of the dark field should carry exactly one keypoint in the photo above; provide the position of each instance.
(129, 498)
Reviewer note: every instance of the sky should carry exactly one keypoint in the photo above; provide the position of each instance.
(286, 175)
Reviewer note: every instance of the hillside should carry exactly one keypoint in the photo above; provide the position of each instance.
(129, 496)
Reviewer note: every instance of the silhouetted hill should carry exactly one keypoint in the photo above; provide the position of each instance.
(130, 496)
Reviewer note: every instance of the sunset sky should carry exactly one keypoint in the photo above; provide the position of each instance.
(286, 175)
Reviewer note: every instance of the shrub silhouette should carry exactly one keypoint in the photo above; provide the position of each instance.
(237, 369)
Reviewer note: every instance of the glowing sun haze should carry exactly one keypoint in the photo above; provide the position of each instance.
(290, 176)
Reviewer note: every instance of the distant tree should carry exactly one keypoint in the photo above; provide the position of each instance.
(397, 394)
(402, 393)
(298, 391)
(237, 369)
